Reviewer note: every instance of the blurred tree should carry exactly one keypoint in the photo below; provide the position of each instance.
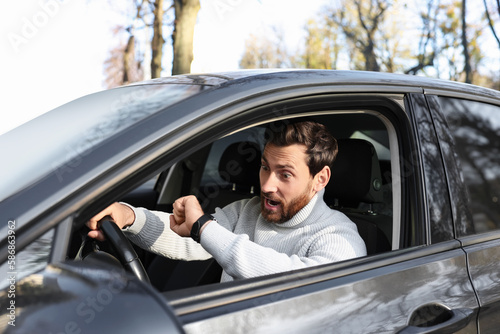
(465, 43)
(266, 51)
(361, 34)
(457, 54)
(326, 37)
(321, 46)
(427, 45)
(382, 35)
(125, 62)
(448, 41)
(121, 67)
(490, 20)
(360, 21)
(157, 40)
(394, 47)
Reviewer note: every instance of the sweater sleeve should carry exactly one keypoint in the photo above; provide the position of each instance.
(157, 237)
(242, 258)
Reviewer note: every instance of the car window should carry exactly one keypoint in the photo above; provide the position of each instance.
(376, 209)
(475, 127)
(217, 189)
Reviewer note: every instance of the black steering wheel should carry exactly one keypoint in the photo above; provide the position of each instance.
(124, 250)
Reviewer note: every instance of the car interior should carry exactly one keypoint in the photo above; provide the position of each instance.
(227, 170)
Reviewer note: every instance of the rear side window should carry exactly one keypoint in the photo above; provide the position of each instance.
(475, 127)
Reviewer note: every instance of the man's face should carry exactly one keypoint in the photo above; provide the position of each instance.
(285, 181)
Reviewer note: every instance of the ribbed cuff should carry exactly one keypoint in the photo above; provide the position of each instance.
(139, 222)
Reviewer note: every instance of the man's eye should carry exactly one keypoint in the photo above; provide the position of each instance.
(264, 167)
(287, 175)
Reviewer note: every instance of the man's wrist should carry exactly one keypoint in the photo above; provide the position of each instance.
(129, 216)
(199, 225)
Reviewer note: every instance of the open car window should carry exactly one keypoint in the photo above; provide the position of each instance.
(207, 174)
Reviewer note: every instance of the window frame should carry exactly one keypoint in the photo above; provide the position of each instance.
(391, 106)
(367, 103)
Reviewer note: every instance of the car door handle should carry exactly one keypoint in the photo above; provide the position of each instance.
(433, 318)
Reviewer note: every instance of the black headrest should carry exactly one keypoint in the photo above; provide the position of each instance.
(240, 164)
(356, 173)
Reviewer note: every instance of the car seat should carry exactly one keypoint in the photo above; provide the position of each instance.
(356, 180)
(239, 167)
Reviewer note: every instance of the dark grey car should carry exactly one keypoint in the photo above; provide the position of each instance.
(419, 175)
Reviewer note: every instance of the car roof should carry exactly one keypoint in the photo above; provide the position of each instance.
(63, 135)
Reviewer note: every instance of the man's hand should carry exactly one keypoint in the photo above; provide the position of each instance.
(187, 210)
(121, 214)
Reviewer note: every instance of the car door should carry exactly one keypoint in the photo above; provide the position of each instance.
(422, 285)
(41, 294)
(470, 132)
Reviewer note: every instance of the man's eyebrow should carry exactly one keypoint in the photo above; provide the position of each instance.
(285, 167)
(278, 166)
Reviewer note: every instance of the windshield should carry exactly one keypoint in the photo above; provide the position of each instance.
(65, 134)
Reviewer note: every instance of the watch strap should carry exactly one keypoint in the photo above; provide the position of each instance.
(195, 230)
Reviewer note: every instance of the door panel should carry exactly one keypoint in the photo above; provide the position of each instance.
(484, 267)
(381, 299)
(468, 132)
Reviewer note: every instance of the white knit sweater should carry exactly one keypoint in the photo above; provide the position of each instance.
(246, 245)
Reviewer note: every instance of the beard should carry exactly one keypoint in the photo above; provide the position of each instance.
(286, 210)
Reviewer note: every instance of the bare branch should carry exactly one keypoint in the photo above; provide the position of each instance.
(490, 21)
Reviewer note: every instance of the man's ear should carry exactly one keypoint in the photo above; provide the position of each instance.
(321, 178)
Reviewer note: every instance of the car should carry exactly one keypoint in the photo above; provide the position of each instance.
(418, 171)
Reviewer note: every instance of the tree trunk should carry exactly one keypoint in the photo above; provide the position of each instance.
(186, 12)
(465, 44)
(370, 57)
(128, 59)
(158, 41)
(370, 26)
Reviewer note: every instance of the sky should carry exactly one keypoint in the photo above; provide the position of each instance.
(52, 51)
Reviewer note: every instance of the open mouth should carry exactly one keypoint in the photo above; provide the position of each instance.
(271, 203)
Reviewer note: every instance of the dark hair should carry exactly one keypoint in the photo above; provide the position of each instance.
(321, 146)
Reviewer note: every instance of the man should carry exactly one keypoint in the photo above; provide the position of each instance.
(288, 227)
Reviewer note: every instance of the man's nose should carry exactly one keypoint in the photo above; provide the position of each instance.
(268, 183)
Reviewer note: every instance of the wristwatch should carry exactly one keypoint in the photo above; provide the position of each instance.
(195, 230)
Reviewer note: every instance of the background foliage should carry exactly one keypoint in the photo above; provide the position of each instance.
(437, 38)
